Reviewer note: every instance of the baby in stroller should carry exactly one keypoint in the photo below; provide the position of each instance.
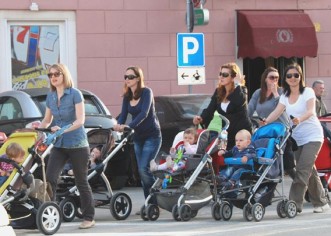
(174, 161)
(14, 153)
(95, 159)
(243, 150)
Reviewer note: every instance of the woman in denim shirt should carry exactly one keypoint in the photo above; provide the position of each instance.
(65, 105)
(139, 102)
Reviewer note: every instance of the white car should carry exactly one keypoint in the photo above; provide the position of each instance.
(5, 229)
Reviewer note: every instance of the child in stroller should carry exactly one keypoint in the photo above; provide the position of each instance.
(243, 150)
(187, 145)
(14, 153)
(95, 159)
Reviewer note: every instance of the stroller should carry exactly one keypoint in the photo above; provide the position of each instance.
(25, 208)
(67, 192)
(192, 189)
(257, 186)
(323, 161)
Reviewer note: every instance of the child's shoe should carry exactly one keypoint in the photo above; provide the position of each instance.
(227, 185)
(169, 162)
(153, 166)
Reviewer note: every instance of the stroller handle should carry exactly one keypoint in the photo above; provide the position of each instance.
(53, 136)
(227, 122)
(46, 130)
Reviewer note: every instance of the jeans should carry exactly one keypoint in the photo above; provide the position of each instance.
(307, 177)
(232, 173)
(79, 158)
(146, 150)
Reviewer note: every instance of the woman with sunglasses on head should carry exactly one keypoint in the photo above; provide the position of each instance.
(298, 102)
(229, 100)
(138, 101)
(64, 106)
(264, 100)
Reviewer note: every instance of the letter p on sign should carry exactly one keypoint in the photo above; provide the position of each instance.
(190, 50)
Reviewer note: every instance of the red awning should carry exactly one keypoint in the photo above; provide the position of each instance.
(275, 34)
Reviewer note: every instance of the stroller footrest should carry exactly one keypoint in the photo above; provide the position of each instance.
(265, 161)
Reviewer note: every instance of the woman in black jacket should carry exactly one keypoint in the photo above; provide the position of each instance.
(229, 100)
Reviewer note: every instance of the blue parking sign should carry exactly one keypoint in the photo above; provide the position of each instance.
(190, 49)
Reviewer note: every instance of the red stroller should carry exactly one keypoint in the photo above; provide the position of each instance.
(323, 161)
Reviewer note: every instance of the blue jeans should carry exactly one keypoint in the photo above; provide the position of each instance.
(146, 150)
(232, 173)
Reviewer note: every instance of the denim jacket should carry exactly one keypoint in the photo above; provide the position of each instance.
(65, 114)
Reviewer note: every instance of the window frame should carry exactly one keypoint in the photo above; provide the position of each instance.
(66, 20)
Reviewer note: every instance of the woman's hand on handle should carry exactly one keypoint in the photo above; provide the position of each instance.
(197, 120)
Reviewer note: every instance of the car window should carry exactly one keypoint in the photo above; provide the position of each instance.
(10, 109)
(90, 107)
(192, 105)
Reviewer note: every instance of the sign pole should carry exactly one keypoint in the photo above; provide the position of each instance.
(190, 24)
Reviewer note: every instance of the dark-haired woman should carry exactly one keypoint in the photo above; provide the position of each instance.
(264, 100)
(299, 102)
(138, 101)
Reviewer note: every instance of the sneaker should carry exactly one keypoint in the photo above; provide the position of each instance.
(137, 213)
(169, 162)
(321, 209)
(153, 166)
(87, 224)
(227, 185)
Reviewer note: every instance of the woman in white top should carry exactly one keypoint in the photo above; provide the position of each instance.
(299, 102)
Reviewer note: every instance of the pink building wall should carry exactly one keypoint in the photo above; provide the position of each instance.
(114, 34)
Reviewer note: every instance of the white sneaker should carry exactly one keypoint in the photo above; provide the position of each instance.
(153, 166)
(322, 209)
(170, 162)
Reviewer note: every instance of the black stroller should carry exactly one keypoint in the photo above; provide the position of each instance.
(68, 195)
(191, 189)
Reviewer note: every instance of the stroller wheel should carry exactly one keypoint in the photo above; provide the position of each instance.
(48, 218)
(281, 209)
(194, 213)
(143, 213)
(216, 211)
(226, 211)
(120, 206)
(153, 212)
(69, 209)
(291, 209)
(175, 213)
(247, 212)
(185, 212)
(257, 212)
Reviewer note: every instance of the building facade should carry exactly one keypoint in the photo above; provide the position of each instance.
(99, 39)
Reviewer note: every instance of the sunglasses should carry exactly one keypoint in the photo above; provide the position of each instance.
(295, 75)
(56, 74)
(224, 74)
(130, 77)
(273, 77)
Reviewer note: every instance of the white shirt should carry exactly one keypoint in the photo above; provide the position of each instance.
(306, 131)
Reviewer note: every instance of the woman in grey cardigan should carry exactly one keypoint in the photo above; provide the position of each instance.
(264, 101)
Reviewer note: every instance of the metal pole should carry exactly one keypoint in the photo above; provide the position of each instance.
(189, 24)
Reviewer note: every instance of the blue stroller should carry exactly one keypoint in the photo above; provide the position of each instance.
(257, 187)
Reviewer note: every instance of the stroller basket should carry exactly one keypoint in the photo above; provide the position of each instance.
(197, 196)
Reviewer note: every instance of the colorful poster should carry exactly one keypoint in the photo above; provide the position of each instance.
(33, 49)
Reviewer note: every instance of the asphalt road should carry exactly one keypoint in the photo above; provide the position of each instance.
(304, 224)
